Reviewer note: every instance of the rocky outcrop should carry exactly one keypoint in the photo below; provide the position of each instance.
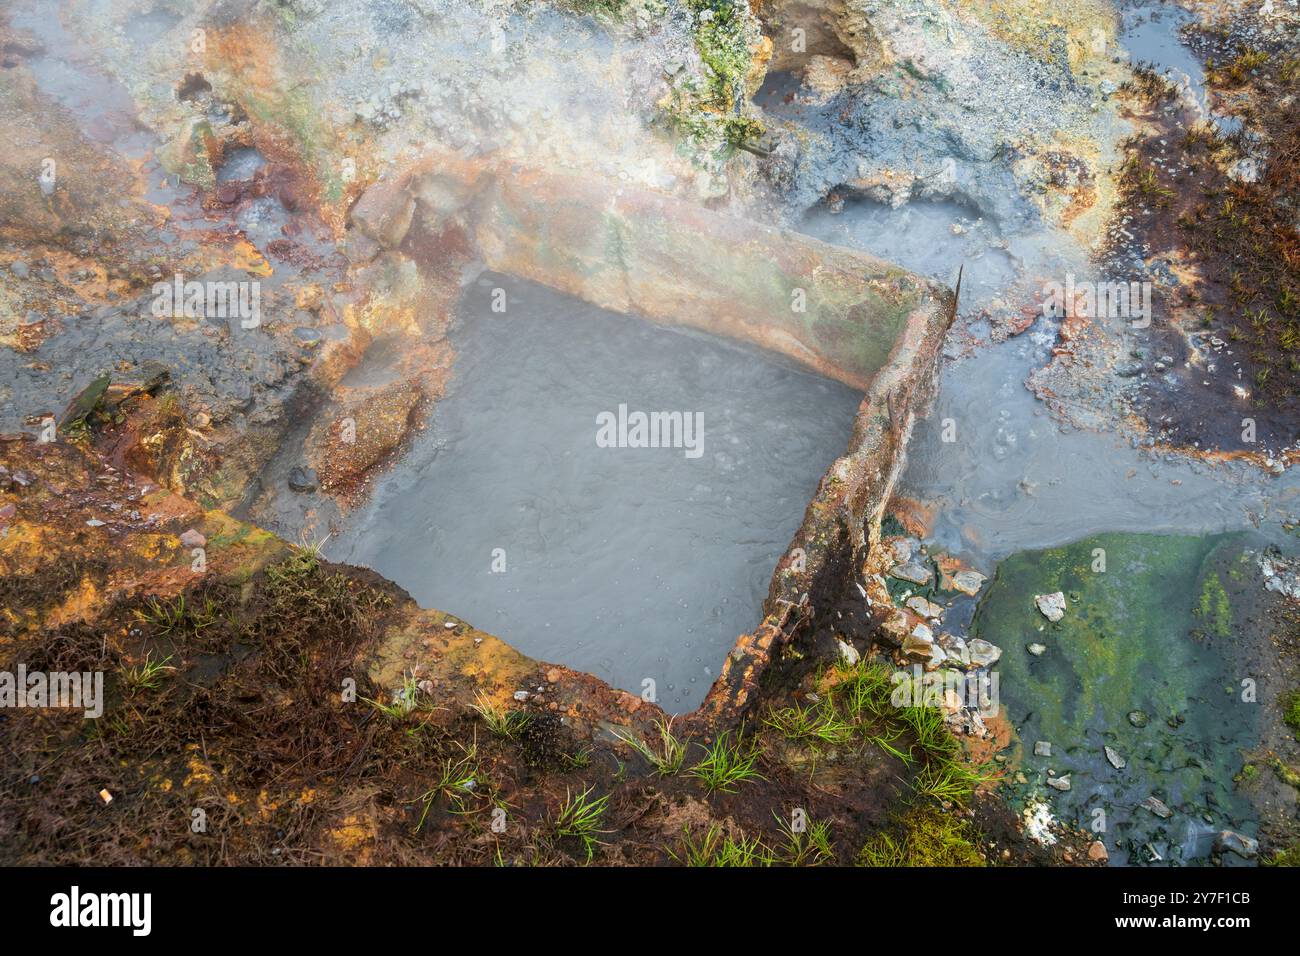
(999, 106)
(809, 32)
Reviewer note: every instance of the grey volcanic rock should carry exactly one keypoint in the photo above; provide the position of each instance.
(302, 479)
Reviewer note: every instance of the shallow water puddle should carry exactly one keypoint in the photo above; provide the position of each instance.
(634, 563)
(1016, 479)
(1151, 32)
(1148, 660)
(66, 71)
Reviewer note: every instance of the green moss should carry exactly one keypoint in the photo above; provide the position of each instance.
(600, 9)
(924, 836)
(1291, 711)
(298, 116)
(707, 110)
(722, 38)
(741, 129)
(198, 170)
(1286, 774)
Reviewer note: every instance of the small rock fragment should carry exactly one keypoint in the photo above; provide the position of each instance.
(302, 479)
(1157, 807)
(1116, 761)
(903, 549)
(1238, 843)
(983, 654)
(1059, 783)
(918, 644)
(968, 582)
(924, 607)
(1043, 748)
(955, 648)
(913, 573)
(895, 630)
(1051, 605)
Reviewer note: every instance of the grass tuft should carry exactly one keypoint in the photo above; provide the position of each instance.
(177, 615)
(727, 764)
(405, 702)
(668, 758)
(457, 781)
(810, 846)
(716, 849)
(817, 722)
(580, 817)
(503, 723)
(149, 675)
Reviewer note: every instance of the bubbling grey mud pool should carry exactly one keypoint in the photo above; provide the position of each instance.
(634, 563)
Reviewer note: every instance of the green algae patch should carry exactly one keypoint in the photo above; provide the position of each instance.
(1122, 643)
(1145, 661)
(247, 549)
(1213, 612)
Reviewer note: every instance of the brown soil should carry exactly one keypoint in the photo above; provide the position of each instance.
(1231, 245)
(249, 746)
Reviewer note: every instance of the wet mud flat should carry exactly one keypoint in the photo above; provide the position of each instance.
(640, 565)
